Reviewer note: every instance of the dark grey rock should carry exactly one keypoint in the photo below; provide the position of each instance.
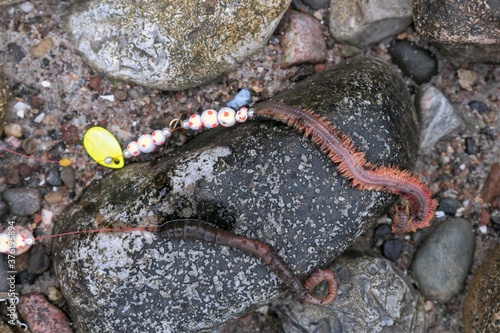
(4, 268)
(53, 177)
(23, 201)
(170, 44)
(442, 263)
(449, 205)
(437, 114)
(416, 62)
(464, 30)
(479, 106)
(392, 248)
(259, 179)
(38, 261)
(3, 207)
(67, 176)
(381, 232)
(361, 23)
(374, 297)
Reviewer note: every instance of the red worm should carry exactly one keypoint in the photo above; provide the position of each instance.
(353, 165)
(195, 229)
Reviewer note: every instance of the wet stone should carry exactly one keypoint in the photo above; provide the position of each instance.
(38, 261)
(392, 248)
(23, 201)
(449, 205)
(442, 263)
(381, 232)
(68, 176)
(260, 179)
(416, 62)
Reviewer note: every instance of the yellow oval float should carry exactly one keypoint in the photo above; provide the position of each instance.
(103, 147)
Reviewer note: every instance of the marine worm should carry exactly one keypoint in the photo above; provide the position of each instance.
(353, 165)
(196, 229)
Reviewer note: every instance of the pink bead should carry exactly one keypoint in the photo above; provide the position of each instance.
(242, 114)
(158, 137)
(209, 118)
(145, 143)
(133, 148)
(226, 117)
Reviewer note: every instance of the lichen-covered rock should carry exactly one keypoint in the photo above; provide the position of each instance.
(464, 30)
(170, 44)
(362, 23)
(374, 297)
(259, 179)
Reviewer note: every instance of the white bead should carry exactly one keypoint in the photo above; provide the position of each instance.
(209, 118)
(194, 122)
(166, 132)
(108, 160)
(242, 114)
(133, 148)
(145, 143)
(185, 124)
(4, 242)
(158, 137)
(226, 117)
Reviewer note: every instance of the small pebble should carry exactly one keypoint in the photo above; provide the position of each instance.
(12, 176)
(470, 146)
(491, 187)
(16, 52)
(39, 118)
(443, 262)
(242, 98)
(29, 145)
(54, 197)
(40, 49)
(392, 249)
(68, 177)
(95, 83)
(37, 101)
(449, 205)
(41, 316)
(381, 232)
(38, 261)
(13, 142)
(24, 170)
(416, 62)
(110, 98)
(133, 93)
(53, 177)
(70, 133)
(21, 107)
(479, 106)
(23, 201)
(120, 95)
(467, 78)
(54, 294)
(26, 7)
(46, 84)
(13, 129)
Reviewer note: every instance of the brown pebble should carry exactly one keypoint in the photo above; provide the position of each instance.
(40, 49)
(53, 197)
(24, 170)
(69, 133)
(484, 217)
(121, 95)
(491, 187)
(37, 101)
(29, 146)
(12, 176)
(95, 83)
(42, 316)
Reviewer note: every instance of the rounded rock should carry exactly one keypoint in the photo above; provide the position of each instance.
(23, 201)
(416, 62)
(171, 45)
(442, 263)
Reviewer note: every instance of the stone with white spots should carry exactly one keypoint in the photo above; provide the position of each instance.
(260, 179)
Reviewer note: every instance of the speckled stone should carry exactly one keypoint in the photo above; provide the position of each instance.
(23, 201)
(374, 297)
(4, 98)
(170, 44)
(463, 30)
(360, 23)
(482, 300)
(442, 263)
(259, 179)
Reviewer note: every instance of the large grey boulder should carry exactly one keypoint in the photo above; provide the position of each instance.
(259, 179)
(170, 44)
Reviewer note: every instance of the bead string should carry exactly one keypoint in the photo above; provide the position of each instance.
(210, 118)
